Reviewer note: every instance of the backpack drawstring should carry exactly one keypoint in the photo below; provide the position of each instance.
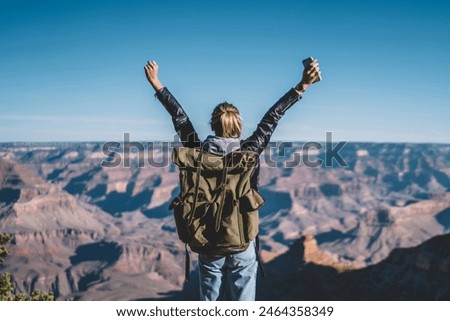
(258, 257)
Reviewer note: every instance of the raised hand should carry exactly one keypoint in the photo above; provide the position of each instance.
(310, 74)
(151, 72)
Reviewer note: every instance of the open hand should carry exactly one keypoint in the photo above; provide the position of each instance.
(151, 72)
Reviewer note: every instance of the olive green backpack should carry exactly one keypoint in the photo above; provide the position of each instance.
(216, 212)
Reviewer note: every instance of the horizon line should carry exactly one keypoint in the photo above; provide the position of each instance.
(165, 141)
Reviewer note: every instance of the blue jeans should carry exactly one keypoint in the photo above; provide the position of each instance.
(235, 272)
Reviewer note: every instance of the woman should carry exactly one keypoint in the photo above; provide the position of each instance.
(238, 271)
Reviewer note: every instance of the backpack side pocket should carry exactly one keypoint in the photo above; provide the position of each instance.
(180, 210)
(248, 207)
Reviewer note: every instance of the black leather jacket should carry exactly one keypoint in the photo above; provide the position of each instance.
(256, 142)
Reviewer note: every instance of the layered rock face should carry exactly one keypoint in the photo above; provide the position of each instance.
(87, 231)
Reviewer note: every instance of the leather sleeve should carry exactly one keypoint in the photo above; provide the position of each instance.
(258, 141)
(180, 119)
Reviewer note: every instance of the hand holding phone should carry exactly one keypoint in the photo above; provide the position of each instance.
(306, 63)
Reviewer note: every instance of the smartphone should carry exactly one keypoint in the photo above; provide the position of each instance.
(306, 62)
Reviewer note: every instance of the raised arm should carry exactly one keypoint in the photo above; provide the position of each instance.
(181, 122)
(261, 136)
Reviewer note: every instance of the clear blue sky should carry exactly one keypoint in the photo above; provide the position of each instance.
(73, 70)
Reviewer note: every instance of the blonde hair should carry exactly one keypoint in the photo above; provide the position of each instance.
(226, 121)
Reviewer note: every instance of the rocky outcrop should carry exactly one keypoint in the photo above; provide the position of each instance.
(417, 273)
(313, 255)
